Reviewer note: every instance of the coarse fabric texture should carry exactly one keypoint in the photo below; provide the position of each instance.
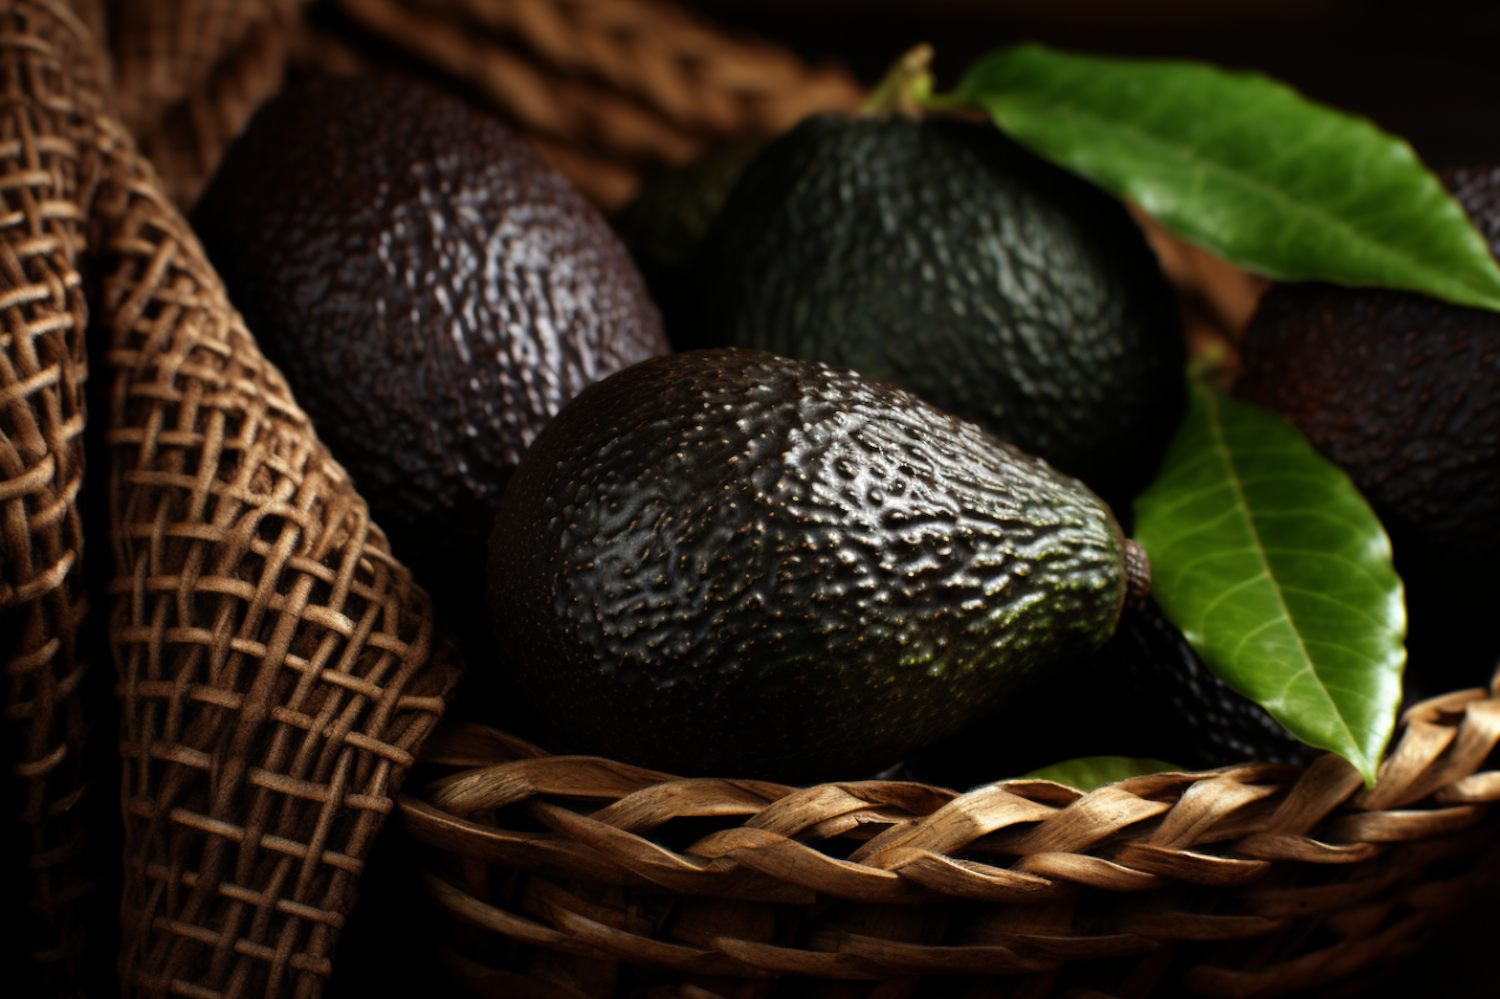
(190, 73)
(276, 670)
(607, 90)
(53, 862)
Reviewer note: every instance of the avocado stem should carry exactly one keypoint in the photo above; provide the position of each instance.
(905, 86)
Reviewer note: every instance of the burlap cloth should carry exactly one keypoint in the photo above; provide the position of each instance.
(276, 670)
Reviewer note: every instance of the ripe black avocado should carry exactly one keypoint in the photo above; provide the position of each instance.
(1402, 391)
(432, 291)
(942, 256)
(729, 562)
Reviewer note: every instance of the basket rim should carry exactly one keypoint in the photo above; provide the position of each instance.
(594, 817)
(1198, 859)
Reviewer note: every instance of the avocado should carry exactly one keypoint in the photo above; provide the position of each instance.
(1145, 693)
(432, 291)
(729, 562)
(1402, 392)
(940, 255)
(664, 225)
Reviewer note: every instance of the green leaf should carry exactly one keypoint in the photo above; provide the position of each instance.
(1243, 166)
(1089, 772)
(1276, 570)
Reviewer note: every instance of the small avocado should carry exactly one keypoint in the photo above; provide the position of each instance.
(664, 225)
(729, 562)
(431, 289)
(1402, 392)
(1145, 693)
(940, 255)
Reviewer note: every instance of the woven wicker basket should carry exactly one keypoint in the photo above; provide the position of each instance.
(598, 879)
(277, 674)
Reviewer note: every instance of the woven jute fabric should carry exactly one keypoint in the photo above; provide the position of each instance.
(50, 94)
(277, 670)
(190, 73)
(588, 877)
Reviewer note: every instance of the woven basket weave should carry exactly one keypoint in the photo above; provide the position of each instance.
(278, 674)
(592, 878)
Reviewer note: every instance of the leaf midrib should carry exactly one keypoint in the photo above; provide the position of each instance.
(1270, 193)
(1222, 446)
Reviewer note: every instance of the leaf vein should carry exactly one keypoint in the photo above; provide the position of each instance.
(1216, 428)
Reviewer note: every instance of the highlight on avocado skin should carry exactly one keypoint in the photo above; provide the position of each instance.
(728, 561)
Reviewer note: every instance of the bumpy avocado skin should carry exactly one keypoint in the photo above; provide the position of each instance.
(432, 291)
(941, 256)
(1402, 391)
(1145, 693)
(727, 562)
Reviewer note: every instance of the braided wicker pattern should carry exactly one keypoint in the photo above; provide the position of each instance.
(278, 670)
(608, 88)
(1251, 881)
(604, 88)
(190, 73)
(48, 170)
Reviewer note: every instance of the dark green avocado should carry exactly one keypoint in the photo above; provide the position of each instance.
(728, 562)
(1402, 391)
(664, 225)
(942, 256)
(431, 289)
(1145, 693)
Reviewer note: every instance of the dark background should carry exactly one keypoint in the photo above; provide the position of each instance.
(1429, 72)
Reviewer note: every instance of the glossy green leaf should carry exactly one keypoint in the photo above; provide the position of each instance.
(1276, 570)
(1089, 772)
(1243, 166)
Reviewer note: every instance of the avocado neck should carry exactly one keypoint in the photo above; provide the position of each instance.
(905, 87)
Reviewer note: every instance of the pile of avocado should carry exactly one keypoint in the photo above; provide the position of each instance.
(862, 503)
